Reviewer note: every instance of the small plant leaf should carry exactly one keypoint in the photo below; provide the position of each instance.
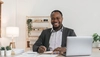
(2, 48)
(8, 48)
(96, 37)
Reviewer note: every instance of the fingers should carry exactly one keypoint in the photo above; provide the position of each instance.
(56, 52)
(42, 49)
(59, 50)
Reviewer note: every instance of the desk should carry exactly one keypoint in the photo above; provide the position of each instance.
(95, 53)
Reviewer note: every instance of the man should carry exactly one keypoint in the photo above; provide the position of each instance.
(54, 38)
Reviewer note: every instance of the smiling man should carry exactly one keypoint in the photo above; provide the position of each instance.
(54, 38)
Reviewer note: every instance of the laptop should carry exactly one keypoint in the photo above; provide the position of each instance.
(79, 46)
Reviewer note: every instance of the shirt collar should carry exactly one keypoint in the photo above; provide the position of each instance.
(52, 30)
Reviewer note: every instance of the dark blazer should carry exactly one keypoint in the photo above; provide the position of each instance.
(43, 39)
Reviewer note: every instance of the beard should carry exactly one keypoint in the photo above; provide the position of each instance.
(58, 27)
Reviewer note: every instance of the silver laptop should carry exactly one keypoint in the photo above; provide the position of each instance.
(79, 46)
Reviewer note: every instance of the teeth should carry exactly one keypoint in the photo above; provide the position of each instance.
(55, 23)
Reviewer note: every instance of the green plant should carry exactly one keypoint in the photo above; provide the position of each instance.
(2, 48)
(8, 48)
(96, 37)
(29, 24)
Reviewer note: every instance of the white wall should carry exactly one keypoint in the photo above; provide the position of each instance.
(8, 19)
(81, 15)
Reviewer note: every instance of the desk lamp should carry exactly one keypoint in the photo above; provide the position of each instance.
(12, 32)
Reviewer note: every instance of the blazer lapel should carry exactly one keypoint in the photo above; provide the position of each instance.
(63, 37)
(48, 37)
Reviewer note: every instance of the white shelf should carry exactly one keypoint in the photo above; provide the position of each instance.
(41, 22)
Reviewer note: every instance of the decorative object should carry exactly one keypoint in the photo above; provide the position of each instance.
(45, 20)
(8, 50)
(2, 51)
(29, 24)
(12, 32)
(37, 20)
(96, 40)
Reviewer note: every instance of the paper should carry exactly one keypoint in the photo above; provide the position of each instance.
(44, 55)
(18, 51)
(31, 52)
(48, 52)
(35, 54)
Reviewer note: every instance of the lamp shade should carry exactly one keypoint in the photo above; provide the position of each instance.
(12, 31)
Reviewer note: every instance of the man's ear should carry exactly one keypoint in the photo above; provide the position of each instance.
(62, 18)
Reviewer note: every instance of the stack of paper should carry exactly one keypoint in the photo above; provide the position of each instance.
(47, 55)
(18, 51)
(31, 52)
(48, 52)
(35, 54)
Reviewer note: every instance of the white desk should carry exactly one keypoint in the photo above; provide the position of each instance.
(95, 53)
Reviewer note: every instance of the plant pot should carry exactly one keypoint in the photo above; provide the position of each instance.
(2, 52)
(99, 45)
(96, 44)
(8, 52)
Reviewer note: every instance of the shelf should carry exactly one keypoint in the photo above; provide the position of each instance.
(33, 36)
(39, 28)
(33, 39)
(38, 24)
(38, 16)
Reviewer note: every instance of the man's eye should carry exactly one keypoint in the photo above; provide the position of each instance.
(53, 18)
(58, 18)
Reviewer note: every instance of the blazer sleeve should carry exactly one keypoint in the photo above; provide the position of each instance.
(72, 33)
(39, 42)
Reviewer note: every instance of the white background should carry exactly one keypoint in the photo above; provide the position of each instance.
(81, 15)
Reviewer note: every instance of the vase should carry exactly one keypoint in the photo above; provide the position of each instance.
(96, 44)
(8, 52)
(2, 52)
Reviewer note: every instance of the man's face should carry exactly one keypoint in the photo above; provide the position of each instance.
(56, 19)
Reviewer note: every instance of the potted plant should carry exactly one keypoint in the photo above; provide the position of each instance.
(96, 40)
(8, 50)
(29, 24)
(2, 51)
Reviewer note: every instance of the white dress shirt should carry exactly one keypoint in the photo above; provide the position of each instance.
(55, 39)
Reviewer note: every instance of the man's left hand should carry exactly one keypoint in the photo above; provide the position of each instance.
(60, 50)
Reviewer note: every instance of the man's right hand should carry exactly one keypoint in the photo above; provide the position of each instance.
(41, 49)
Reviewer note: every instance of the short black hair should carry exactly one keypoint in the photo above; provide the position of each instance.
(57, 11)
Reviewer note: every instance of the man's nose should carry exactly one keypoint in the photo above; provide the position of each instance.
(55, 20)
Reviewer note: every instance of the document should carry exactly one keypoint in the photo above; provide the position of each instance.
(35, 54)
(48, 52)
(31, 52)
(47, 55)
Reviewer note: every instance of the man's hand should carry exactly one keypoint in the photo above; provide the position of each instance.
(60, 50)
(42, 49)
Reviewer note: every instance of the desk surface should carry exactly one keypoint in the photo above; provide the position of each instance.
(95, 53)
